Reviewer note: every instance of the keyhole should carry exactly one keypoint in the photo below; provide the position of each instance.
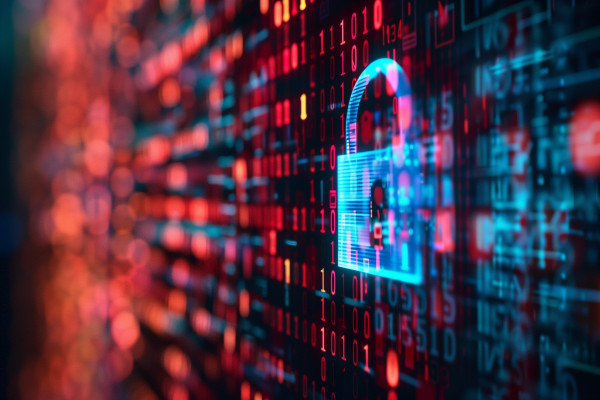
(379, 208)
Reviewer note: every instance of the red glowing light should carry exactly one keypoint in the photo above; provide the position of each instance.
(177, 176)
(392, 368)
(170, 92)
(176, 363)
(174, 207)
(585, 138)
(125, 329)
(444, 230)
(278, 13)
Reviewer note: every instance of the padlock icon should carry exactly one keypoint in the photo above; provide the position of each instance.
(379, 191)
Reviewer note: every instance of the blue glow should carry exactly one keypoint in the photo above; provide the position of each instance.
(401, 231)
(402, 240)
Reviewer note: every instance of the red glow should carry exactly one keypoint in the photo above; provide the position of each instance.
(125, 330)
(156, 150)
(176, 363)
(177, 176)
(444, 230)
(392, 369)
(180, 272)
(170, 92)
(585, 138)
(174, 207)
(198, 210)
(277, 14)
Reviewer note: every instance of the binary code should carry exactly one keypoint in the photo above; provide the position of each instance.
(345, 199)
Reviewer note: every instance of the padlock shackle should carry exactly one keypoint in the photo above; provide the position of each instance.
(394, 75)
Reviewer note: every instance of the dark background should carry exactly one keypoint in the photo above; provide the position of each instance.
(8, 217)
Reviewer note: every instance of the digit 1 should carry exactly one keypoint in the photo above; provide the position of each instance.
(321, 35)
(331, 36)
(332, 253)
(333, 379)
(303, 275)
(303, 212)
(322, 189)
(361, 287)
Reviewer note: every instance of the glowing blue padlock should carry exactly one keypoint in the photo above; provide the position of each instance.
(379, 192)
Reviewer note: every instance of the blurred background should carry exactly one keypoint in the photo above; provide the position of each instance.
(170, 204)
(59, 145)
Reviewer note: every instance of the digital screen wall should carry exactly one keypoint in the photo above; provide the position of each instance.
(297, 199)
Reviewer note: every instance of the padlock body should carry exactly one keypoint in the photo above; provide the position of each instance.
(401, 255)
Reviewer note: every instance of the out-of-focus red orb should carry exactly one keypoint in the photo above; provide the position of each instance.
(585, 138)
(392, 368)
